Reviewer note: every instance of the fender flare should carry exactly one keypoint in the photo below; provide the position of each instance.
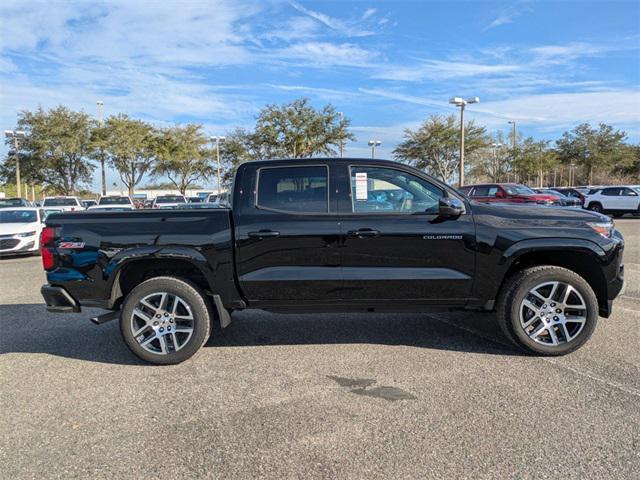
(132, 255)
(518, 249)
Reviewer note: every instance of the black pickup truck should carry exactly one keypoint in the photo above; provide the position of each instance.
(328, 235)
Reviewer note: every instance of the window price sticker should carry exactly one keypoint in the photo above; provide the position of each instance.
(361, 186)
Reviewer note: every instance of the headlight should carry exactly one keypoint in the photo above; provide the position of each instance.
(604, 229)
(26, 234)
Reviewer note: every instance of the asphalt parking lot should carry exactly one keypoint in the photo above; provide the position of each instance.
(316, 396)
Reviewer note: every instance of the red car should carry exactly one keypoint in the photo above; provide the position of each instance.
(508, 193)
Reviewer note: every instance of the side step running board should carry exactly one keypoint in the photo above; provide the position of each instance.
(107, 317)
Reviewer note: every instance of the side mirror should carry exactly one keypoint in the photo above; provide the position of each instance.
(450, 207)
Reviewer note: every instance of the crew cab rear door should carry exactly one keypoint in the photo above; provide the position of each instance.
(395, 245)
(287, 235)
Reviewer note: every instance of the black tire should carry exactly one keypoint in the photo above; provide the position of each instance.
(190, 294)
(595, 207)
(516, 289)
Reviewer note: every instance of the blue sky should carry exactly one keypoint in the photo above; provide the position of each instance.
(386, 65)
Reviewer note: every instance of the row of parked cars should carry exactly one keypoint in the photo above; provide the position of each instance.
(22, 221)
(613, 200)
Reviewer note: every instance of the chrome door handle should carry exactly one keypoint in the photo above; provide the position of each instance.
(264, 234)
(363, 233)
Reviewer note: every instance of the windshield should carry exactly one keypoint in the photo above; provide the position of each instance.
(60, 202)
(518, 190)
(105, 209)
(114, 201)
(170, 199)
(18, 216)
(12, 202)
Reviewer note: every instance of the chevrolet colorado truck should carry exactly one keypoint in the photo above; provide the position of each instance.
(334, 235)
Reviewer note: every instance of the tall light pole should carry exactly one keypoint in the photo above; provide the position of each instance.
(341, 141)
(461, 102)
(373, 144)
(218, 140)
(513, 146)
(99, 108)
(16, 135)
(494, 147)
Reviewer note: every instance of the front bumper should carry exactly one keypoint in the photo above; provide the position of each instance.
(12, 245)
(58, 300)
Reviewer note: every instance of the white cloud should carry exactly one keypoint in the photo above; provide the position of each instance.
(508, 15)
(562, 110)
(442, 70)
(337, 25)
(326, 54)
(369, 12)
(324, 93)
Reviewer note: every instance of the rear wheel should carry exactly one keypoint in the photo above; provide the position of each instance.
(547, 310)
(595, 207)
(165, 320)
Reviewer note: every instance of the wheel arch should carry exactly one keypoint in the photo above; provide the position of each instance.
(580, 256)
(136, 267)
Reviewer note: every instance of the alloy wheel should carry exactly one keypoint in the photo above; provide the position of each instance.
(553, 313)
(162, 323)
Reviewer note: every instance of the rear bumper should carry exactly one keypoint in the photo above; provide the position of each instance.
(59, 300)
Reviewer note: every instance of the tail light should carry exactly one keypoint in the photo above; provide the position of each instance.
(46, 238)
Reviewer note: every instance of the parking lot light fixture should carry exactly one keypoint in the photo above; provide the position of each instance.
(461, 102)
(373, 144)
(217, 141)
(16, 136)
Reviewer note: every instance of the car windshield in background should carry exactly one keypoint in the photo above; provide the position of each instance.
(170, 199)
(518, 190)
(114, 201)
(11, 202)
(60, 202)
(200, 205)
(109, 209)
(554, 192)
(18, 216)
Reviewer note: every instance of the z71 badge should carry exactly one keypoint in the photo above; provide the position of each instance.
(71, 245)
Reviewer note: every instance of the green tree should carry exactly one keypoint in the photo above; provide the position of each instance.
(592, 148)
(56, 151)
(183, 156)
(293, 130)
(435, 145)
(532, 160)
(298, 130)
(239, 146)
(132, 147)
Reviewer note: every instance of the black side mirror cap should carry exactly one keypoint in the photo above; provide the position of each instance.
(450, 207)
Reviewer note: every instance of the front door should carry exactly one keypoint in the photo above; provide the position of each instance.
(396, 247)
(287, 239)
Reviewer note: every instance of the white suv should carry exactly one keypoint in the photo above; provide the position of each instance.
(113, 202)
(66, 204)
(616, 200)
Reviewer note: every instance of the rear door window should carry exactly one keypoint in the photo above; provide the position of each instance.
(300, 189)
(493, 191)
(611, 192)
(481, 192)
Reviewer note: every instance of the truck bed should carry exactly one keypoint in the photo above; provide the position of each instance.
(92, 248)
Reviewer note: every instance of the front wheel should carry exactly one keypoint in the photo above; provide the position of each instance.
(165, 320)
(547, 310)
